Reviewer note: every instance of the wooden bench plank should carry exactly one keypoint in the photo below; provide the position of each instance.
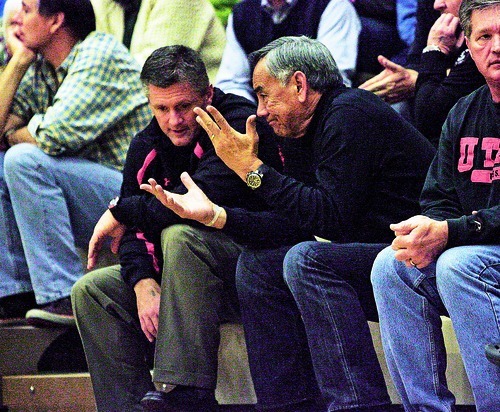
(57, 393)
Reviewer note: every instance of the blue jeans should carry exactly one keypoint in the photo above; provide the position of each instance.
(464, 282)
(48, 206)
(306, 328)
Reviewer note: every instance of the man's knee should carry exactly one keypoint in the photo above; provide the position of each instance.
(80, 290)
(184, 245)
(177, 236)
(383, 269)
(21, 156)
(457, 264)
(297, 258)
(95, 282)
(80, 294)
(448, 261)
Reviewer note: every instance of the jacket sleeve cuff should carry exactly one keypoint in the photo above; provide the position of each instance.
(465, 230)
(132, 280)
(132, 275)
(125, 211)
(434, 62)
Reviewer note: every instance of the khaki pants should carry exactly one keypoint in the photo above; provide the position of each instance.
(198, 294)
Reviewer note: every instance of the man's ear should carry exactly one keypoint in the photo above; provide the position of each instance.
(300, 83)
(210, 95)
(57, 22)
(472, 55)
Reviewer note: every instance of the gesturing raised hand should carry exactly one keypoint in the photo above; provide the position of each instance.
(238, 151)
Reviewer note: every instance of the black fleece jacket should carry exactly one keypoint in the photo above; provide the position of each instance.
(359, 168)
(441, 81)
(151, 154)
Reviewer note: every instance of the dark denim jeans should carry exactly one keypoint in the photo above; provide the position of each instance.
(304, 311)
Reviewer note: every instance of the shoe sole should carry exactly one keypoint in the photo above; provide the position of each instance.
(152, 406)
(38, 317)
(157, 405)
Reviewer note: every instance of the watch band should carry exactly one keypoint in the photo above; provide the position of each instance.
(430, 48)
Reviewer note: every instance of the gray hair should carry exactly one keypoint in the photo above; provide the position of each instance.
(466, 9)
(171, 65)
(286, 55)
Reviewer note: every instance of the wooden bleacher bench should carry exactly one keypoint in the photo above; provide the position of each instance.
(25, 388)
(28, 385)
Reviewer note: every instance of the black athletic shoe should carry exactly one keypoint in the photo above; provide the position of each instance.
(180, 399)
(54, 314)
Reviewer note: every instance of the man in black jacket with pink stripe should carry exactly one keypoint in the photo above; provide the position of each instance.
(175, 282)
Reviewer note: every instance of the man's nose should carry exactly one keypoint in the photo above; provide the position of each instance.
(496, 44)
(17, 18)
(175, 118)
(262, 110)
(439, 5)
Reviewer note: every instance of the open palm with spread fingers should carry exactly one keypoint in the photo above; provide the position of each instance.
(238, 151)
(194, 205)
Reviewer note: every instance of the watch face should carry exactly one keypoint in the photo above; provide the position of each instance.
(254, 180)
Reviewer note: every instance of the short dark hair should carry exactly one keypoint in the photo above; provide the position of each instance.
(466, 9)
(79, 15)
(286, 55)
(171, 65)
